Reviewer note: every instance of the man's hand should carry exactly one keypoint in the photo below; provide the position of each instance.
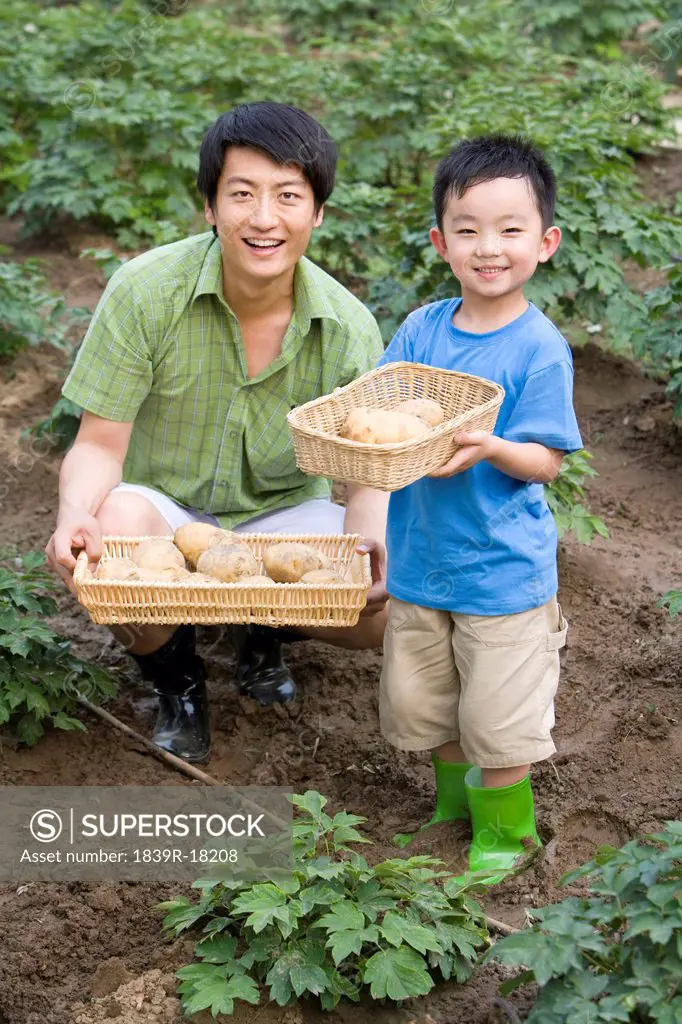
(477, 445)
(377, 596)
(76, 529)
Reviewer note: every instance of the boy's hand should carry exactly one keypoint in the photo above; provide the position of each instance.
(377, 596)
(477, 445)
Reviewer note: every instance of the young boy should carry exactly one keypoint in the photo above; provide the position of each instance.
(471, 661)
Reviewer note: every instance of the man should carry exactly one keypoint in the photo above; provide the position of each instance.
(195, 354)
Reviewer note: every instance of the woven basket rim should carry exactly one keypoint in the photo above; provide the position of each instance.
(275, 538)
(294, 417)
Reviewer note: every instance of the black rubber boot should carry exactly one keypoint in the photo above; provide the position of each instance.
(261, 671)
(179, 678)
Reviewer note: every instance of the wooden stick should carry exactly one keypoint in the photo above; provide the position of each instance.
(507, 1009)
(500, 926)
(163, 755)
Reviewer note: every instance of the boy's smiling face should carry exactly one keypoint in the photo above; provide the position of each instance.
(493, 237)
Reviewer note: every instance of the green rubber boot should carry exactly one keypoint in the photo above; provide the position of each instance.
(451, 798)
(503, 824)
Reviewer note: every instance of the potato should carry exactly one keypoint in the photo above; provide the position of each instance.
(381, 426)
(195, 538)
(424, 409)
(172, 575)
(258, 581)
(230, 537)
(116, 569)
(201, 577)
(322, 576)
(158, 553)
(289, 561)
(228, 562)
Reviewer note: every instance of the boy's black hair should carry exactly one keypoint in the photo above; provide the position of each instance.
(284, 133)
(494, 156)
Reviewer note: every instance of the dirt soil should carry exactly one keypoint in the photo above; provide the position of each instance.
(83, 953)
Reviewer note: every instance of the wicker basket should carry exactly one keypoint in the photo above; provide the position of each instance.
(284, 604)
(469, 403)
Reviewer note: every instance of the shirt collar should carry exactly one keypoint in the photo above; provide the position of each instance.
(210, 280)
(310, 301)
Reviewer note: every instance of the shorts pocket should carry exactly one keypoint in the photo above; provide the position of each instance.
(400, 614)
(557, 639)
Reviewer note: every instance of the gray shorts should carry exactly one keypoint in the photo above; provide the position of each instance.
(319, 515)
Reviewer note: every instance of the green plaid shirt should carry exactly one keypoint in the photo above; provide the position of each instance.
(165, 351)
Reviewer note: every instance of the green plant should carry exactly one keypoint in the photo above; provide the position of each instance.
(654, 326)
(672, 601)
(61, 424)
(40, 679)
(565, 497)
(334, 19)
(29, 312)
(664, 43)
(106, 259)
(63, 420)
(617, 955)
(574, 26)
(335, 928)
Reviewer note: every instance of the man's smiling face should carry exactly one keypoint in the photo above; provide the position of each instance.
(493, 237)
(264, 214)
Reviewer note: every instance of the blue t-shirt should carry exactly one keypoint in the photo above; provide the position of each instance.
(481, 542)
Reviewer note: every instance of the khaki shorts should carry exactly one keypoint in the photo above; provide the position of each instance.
(487, 681)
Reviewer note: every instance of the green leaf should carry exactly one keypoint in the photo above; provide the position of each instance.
(642, 922)
(243, 987)
(181, 914)
(465, 939)
(403, 839)
(295, 972)
(29, 729)
(665, 892)
(263, 948)
(63, 721)
(308, 978)
(346, 834)
(397, 928)
(343, 818)
(320, 894)
(344, 915)
(534, 949)
(454, 888)
(278, 978)
(217, 950)
(264, 903)
(201, 974)
(371, 899)
(311, 801)
(525, 978)
(397, 974)
(324, 867)
(218, 996)
(343, 943)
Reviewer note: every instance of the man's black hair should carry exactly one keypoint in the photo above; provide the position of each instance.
(284, 133)
(494, 156)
